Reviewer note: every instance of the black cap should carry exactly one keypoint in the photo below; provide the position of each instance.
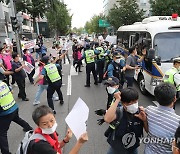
(112, 81)
(45, 59)
(116, 54)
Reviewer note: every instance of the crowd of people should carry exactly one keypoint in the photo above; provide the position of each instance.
(112, 65)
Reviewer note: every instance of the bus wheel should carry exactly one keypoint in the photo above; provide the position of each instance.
(141, 83)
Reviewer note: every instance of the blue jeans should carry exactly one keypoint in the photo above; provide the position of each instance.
(112, 151)
(39, 92)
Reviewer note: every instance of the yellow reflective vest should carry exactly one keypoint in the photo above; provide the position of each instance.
(88, 56)
(52, 72)
(169, 77)
(6, 97)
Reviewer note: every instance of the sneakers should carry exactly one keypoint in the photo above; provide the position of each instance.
(36, 103)
(61, 102)
(86, 85)
(54, 111)
(55, 98)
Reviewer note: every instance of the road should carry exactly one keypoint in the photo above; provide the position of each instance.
(95, 97)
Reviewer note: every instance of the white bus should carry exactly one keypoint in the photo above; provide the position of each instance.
(161, 33)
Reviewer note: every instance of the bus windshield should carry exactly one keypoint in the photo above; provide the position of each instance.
(167, 45)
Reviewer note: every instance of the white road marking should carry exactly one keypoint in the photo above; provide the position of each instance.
(72, 71)
(69, 85)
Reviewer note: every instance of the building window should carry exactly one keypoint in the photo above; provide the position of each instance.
(43, 29)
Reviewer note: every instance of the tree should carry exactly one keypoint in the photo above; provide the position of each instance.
(125, 13)
(165, 7)
(93, 25)
(59, 20)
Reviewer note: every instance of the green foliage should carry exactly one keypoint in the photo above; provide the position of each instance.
(165, 7)
(93, 25)
(126, 12)
(59, 19)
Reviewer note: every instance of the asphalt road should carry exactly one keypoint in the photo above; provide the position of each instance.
(95, 98)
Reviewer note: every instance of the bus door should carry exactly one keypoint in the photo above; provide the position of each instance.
(131, 40)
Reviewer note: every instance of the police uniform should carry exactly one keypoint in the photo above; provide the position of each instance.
(173, 76)
(90, 66)
(51, 73)
(99, 51)
(8, 113)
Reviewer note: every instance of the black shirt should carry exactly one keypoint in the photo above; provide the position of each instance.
(40, 147)
(18, 75)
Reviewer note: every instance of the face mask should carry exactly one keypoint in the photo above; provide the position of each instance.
(178, 69)
(111, 90)
(118, 61)
(49, 130)
(133, 108)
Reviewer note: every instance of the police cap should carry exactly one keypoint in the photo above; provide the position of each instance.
(112, 81)
(116, 54)
(45, 59)
(176, 60)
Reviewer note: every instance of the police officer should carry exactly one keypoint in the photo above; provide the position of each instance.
(89, 57)
(8, 113)
(51, 73)
(173, 75)
(99, 51)
(116, 69)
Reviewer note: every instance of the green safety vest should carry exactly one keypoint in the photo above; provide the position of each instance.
(89, 54)
(169, 77)
(101, 54)
(6, 97)
(52, 72)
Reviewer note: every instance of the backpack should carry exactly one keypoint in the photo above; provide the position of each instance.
(29, 136)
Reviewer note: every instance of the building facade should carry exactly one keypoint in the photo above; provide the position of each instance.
(143, 4)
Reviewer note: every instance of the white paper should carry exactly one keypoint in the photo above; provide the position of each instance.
(53, 52)
(28, 67)
(8, 42)
(77, 118)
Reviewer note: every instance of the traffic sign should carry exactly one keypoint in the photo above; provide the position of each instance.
(103, 23)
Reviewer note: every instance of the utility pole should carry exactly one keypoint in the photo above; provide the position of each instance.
(14, 11)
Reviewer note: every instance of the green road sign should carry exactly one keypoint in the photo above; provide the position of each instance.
(103, 23)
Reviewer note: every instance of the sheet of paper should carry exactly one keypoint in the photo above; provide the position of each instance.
(28, 67)
(8, 42)
(53, 52)
(77, 118)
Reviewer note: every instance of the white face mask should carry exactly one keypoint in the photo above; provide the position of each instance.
(133, 108)
(49, 130)
(118, 61)
(111, 90)
(178, 69)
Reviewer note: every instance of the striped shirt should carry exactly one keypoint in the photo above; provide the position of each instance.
(162, 123)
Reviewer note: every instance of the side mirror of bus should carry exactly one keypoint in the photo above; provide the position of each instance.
(150, 54)
(158, 60)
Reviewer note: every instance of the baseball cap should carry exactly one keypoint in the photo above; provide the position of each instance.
(112, 81)
(116, 54)
(45, 59)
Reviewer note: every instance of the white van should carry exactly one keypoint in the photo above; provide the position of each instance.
(161, 33)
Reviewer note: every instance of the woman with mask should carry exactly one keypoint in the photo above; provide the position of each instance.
(133, 119)
(46, 126)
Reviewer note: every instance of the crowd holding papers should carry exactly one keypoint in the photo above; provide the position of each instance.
(28, 67)
(77, 118)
